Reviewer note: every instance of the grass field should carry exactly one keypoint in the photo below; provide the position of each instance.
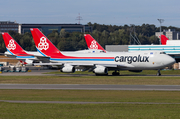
(125, 72)
(88, 111)
(129, 80)
(92, 111)
(91, 95)
(151, 104)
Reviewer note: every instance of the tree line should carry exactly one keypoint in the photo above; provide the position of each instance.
(104, 34)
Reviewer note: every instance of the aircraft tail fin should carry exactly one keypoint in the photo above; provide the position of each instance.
(163, 39)
(92, 43)
(12, 46)
(23, 62)
(44, 45)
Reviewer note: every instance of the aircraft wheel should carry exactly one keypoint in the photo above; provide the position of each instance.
(115, 73)
(101, 74)
(159, 73)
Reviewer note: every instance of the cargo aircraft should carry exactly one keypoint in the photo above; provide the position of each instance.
(100, 63)
(14, 50)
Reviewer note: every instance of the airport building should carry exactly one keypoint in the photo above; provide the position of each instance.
(172, 46)
(48, 28)
(5, 26)
(171, 34)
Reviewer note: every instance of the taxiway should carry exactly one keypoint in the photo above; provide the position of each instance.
(90, 87)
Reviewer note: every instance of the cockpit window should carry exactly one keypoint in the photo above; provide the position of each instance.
(162, 53)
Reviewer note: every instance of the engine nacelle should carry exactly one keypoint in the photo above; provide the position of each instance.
(100, 70)
(68, 69)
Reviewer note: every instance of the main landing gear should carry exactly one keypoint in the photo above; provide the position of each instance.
(101, 74)
(158, 73)
(115, 73)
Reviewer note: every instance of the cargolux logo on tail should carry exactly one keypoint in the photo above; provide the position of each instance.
(22, 62)
(43, 44)
(11, 45)
(93, 45)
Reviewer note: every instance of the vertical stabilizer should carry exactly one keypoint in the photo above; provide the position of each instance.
(163, 39)
(12, 46)
(44, 45)
(92, 43)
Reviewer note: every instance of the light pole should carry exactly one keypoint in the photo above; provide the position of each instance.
(160, 21)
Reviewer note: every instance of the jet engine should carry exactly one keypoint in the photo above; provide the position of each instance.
(100, 70)
(68, 69)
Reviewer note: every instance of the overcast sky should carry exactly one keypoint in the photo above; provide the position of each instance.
(114, 12)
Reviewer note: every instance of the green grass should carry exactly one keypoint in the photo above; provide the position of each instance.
(125, 72)
(91, 95)
(129, 80)
(88, 111)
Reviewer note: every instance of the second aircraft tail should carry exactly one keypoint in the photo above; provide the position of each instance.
(163, 39)
(44, 45)
(92, 43)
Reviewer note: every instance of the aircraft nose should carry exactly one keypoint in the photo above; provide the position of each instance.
(169, 60)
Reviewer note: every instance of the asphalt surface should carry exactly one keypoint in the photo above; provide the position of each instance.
(91, 87)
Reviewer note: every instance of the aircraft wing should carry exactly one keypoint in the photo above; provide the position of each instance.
(38, 57)
(20, 54)
(8, 58)
(1, 53)
(90, 65)
(8, 55)
(42, 58)
(50, 64)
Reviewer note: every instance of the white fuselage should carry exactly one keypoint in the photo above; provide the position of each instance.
(123, 60)
(142, 60)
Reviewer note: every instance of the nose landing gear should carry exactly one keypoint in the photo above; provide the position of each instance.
(158, 73)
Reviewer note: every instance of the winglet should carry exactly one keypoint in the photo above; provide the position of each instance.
(163, 39)
(12, 46)
(44, 45)
(92, 43)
